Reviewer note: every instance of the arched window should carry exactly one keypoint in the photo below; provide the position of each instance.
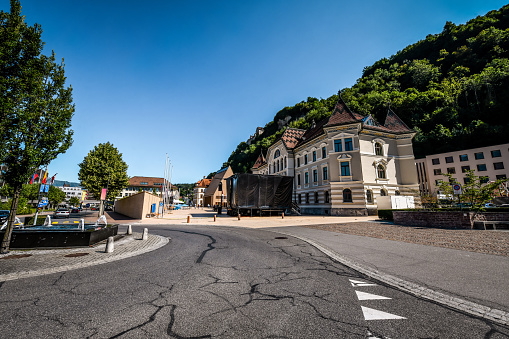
(381, 172)
(277, 154)
(347, 195)
(369, 196)
(397, 192)
(286, 164)
(307, 198)
(379, 149)
(383, 192)
(316, 198)
(326, 197)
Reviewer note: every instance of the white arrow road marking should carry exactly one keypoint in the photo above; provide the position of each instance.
(358, 283)
(369, 296)
(371, 336)
(372, 314)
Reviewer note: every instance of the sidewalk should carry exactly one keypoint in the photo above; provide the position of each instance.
(24, 264)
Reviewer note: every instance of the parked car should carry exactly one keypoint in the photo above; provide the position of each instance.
(61, 213)
(75, 210)
(489, 205)
(4, 214)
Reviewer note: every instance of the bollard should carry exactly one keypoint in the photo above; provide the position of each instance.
(145, 234)
(283, 215)
(188, 219)
(129, 230)
(109, 245)
(238, 216)
(214, 218)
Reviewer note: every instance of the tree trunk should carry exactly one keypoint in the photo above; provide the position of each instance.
(10, 223)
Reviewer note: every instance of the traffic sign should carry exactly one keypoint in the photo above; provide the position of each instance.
(456, 188)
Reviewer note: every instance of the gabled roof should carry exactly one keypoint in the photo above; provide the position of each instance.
(394, 123)
(259, 162)
(148, 181)
(203, 183)
(343, 115)
(291, 137)
(314, 131)
(214, 183)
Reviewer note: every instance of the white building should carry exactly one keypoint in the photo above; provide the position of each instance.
(491, 162)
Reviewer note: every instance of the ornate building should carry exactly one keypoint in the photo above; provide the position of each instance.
(344, 162)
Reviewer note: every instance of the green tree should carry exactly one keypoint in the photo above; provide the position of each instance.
(35, 106)
(103, 167)
(74, 201)
(55, 195)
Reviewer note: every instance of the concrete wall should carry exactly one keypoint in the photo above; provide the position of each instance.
(446, 219)
(137, 206)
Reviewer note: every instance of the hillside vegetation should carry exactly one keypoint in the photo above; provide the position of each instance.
(452, 88)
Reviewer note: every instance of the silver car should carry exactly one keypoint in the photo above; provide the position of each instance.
(61, 213)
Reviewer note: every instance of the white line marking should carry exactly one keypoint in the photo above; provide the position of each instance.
(372, 314)
(359, 283)
(369, 296)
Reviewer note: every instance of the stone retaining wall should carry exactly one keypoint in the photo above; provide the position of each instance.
(446, 219)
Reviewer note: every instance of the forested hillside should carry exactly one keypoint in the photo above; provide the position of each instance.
(452, 88)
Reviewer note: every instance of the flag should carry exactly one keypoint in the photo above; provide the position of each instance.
(33, 178)
(53, 179)
(45, 177)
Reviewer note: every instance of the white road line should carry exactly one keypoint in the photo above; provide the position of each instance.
(369, 296)
(372, 314)
(358, 283)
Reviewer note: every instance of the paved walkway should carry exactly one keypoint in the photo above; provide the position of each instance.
(22, 264)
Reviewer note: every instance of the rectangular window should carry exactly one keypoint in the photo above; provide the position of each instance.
(501, 176)
(298, 162)
(465, 169)
(451, 170)
(466, 180)
(306, 178)
(325, 174)
(315, 176)
(314, 156)
(449, 160)
(324, 152)
(485, 180)
(300, 199)
(479, 156)
(437, 171)
(464, 157)
(481, 167)
(437, 182)
(305, 159)
(143, 183)
(345, 168)
(337, 146)
(348, 144)
(498, 165)
(496, 154)
(307, 198)
(435, 161)
(298, 179)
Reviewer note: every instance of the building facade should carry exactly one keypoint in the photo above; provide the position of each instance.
(343, 163)
(491, 162)
(147, 184)
(216, 193)
(199, 191)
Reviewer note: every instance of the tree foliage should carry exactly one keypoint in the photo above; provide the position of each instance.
(55, 196)
(103, 167)
(452, 88)
(35, 105)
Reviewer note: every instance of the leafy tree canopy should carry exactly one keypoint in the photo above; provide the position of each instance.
(35, 105)
(103, 167)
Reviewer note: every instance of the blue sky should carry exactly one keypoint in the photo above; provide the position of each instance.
(195, 78)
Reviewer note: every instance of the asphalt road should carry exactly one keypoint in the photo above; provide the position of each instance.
(224, 283)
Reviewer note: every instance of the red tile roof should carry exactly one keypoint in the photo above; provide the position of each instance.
(291, 137)
(394, 123)
(203, 183)
(342, 115)
(259, 162)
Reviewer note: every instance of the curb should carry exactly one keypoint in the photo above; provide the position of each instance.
(158, 242)
(481, 311)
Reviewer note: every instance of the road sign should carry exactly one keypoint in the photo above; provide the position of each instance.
(160, 203)
(456, 189)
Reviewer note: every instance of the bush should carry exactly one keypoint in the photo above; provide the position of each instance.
(385, 215)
